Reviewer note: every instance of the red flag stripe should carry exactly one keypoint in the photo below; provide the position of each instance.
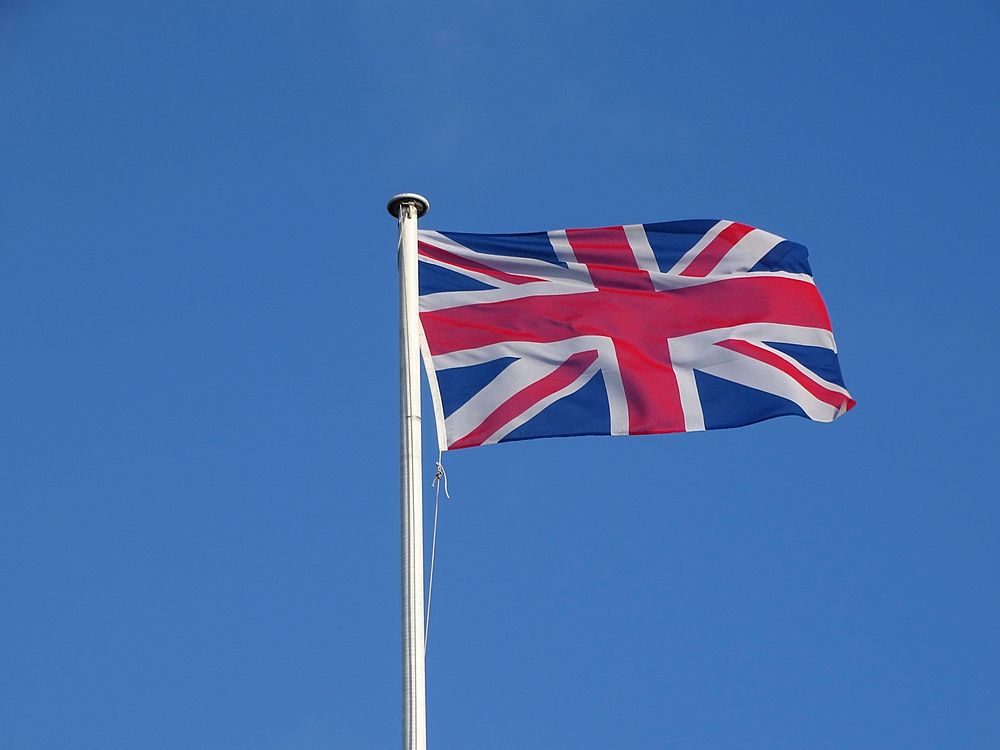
(609, 258)
(709, 258)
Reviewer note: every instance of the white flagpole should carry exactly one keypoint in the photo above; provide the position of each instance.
(407, 207)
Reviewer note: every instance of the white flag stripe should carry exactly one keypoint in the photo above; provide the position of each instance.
(559, 350)
(694, 417)
(617, 403)
(746, 253)
(560, 244)
(445, 300)
(668, 281)
(505, 292)
(641, 249)
(432, 382)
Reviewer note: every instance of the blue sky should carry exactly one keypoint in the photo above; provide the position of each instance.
(198, 464)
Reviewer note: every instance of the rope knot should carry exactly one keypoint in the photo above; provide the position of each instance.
(441, 478)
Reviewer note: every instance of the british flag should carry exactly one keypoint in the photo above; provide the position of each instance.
(626, 330)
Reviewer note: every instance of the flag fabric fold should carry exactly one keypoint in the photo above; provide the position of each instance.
(626, 330)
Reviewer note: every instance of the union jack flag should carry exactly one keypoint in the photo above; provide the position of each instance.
(626, 330)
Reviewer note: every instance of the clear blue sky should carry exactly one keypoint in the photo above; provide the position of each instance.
(198, 388)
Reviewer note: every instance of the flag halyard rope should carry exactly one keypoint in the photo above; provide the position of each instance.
(440, 479)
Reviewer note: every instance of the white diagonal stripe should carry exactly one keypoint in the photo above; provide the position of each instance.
(518, 265)
(510, 381)
(553, 279)
(581, 380)
(805, 371)
(745, 254)
(695, 251)
(535, 361)
(756, 374)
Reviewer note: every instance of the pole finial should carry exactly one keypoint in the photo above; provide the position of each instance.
(396, 203)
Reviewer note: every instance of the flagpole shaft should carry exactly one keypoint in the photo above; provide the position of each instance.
(407, 208)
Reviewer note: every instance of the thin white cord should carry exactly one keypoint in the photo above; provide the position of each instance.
(440, 477)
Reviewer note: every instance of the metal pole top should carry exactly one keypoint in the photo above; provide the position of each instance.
(396, 203)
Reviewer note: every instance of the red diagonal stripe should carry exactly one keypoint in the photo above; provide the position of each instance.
(527, 397)
(715, 251)
(827, 396)
(430, 251)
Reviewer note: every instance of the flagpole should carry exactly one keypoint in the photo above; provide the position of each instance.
(407, 207)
